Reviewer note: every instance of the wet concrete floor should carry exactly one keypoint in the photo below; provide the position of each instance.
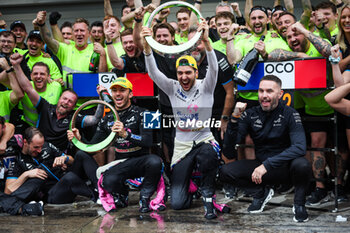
(86, 216)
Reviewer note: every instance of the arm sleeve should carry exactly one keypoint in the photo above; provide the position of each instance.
(54, 151)
(102, 130)
(158, 77)
(14, 171)
(297, 147)
(212, 73)
(235, 134)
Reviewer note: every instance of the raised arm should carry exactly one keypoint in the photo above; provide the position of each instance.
(248, 6)
(282, 55)
(213, 67)
(102, 66)
(322, 46)
(17, 93)
(45, 33)
(112, 54)
(139, 14)
(6, 136)
(289, 5)
(233, 55)
(193, 16)
(307, 10)
(337, 75)
(90, 120)
(23, 80)
(107, 7)
(336, 99)
(155, 74)
(56, 32)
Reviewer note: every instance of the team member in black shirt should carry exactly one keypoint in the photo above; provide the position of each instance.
(53, 120)
(280, 145)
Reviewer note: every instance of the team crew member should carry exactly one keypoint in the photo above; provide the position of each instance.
(303, 43)
(111, 28)
(37, 163)
(280, 145)
(9, 99)
(54, 119)
(132, 61)
(7, 47)
(74, 57)
(96, 33)
(34, 54)
(223, 21)
(258, 20)
(38, 172)
(19, 29)
(190, 99)
(131, 149)
(51, 91)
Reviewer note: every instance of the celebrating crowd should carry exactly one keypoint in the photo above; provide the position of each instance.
(282, 148)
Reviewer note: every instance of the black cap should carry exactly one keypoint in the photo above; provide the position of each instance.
(18, 23)
(35, 34)
(278, 8)
(260, 8)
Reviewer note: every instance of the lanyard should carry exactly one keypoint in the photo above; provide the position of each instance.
(46, 169)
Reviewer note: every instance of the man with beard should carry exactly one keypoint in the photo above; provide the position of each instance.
(34, 54)
(275, 13)
(223, 94)
(190, 99)
(280, 145)
(19, 29)
(54, 119)
(258, 20)
(303, 43)
(283, 22)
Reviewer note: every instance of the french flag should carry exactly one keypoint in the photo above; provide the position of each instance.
(297, 74)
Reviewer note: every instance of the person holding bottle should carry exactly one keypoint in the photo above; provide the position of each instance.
(74, 57)
(258, 20)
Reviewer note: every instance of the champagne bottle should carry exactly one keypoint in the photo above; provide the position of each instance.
(105, 96)
(94, 61)
(246, 66)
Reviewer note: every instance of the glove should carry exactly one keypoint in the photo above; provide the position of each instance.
(54, 17)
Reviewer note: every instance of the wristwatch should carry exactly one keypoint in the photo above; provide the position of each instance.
(10, 70)
(225, 117)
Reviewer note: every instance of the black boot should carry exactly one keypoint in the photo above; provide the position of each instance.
(210, 212)
(144, 204)
(33, 208)
(120, 200)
